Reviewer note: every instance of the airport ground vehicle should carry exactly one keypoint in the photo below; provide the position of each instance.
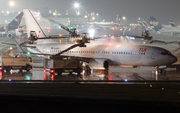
(64, 64)
(8, 62)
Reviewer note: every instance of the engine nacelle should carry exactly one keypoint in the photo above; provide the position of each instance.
(99, 64)
(127, 66)
(10, 35)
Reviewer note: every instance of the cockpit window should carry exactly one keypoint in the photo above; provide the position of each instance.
(165, 53)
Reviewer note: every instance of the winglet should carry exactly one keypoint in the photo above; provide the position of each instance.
(18, 47)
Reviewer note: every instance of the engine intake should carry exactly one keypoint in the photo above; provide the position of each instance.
(10, 35)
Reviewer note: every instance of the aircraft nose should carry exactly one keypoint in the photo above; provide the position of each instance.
(174, 59)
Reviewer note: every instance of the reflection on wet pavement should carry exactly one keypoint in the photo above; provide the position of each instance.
(115, 73)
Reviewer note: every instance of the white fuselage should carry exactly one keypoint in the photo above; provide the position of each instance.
(170, 30)
(121, 54)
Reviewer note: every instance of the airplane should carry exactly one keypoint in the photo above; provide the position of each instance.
(172, 23)
(163, 29)
(141, 24)
(8, 29)
(110, 25)
(99, 56)
(146, 25)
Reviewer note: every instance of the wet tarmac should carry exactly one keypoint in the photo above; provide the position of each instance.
(115, 73)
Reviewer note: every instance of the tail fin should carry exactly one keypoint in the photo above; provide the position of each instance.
(172, 23)
(32, 24)
(140, 23)
(145, 24)
(155, 23)
(14, 24)
(118, 19)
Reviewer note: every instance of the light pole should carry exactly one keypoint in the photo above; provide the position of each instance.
(76, 5)
(11, 4)
(124, 18)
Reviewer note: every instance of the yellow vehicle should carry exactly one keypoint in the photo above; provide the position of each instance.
(59, 65)
(8, 62)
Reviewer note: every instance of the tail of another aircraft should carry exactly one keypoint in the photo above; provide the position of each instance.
(14, 24)
(145, 24)
(172, 23)
(140, 24)
(155, 23)
(32, 24)
(118, 19)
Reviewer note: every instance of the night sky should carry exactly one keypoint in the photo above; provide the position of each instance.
(162, 10)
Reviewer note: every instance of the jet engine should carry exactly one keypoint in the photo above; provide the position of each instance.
(99, 64)
(10, 35)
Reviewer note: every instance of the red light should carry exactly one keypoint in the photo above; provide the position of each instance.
(52, 76)
(85, 11)
(52, 71)
(117, 15)
(112, 28)
(49, 31)
(44, 76)
(1, 68)
(44, 70)
(0, 75)
(39, 31)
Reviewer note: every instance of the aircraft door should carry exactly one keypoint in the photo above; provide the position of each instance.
(153, 55)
